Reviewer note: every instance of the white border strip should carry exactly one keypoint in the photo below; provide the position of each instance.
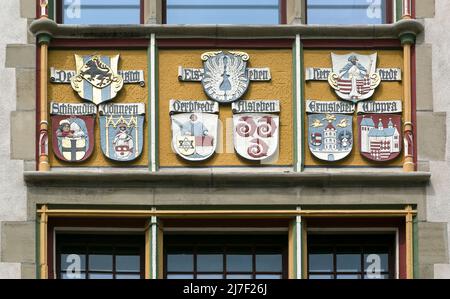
(298, 89)
(298, 231)
(226, 229)
(152, 104)
(154, 247)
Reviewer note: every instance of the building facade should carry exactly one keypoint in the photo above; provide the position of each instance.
(144, 148)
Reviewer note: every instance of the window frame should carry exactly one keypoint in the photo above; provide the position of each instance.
(281, 3)
(389, 14)
(194, 242)
(360, 241)
(59, 8)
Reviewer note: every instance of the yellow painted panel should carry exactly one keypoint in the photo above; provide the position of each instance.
(321, 90)
(279, 88)
(130, 93)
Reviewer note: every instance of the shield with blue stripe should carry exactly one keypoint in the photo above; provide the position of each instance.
(97, 78)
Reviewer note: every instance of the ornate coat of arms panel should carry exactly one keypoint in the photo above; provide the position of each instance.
(122, 130)
(194, 128)
(256, 127)
(73, 130)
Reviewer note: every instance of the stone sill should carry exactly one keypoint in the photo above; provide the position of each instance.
(222, 178)
(385, 31)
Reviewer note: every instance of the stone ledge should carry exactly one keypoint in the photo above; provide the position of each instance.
(46, 26)
(213, 178)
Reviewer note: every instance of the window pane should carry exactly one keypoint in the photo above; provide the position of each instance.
(348, 276)
(222, 12)
(128, 263)
(346, 12)
(101, 12)
(128, 276)
(380, 276)
(210, 262)
(180, 276)
(180, 262)
(100, 262)
(321, 262)
(209, 276)
(100, 276)
(65, 275)
(239, 276)
(239, 261)
(348, 262)
(73, 262)
(269, 262)
(268, 276)
(320, 276)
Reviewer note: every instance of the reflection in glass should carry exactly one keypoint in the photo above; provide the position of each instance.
(268, 276)
(239, 262)
(209, 276)
(321, 262)
(180, 262)
(348, 262)
(180, 276)
(269, 262)
(128, 276)
(348, 276)
(100, 276)
(128, 263)
(209, 262)
(320, 276)
(239, 276)
(100, 262)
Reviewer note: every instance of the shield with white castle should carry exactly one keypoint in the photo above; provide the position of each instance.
(225, 77)
(256, 127)
(330, 133)
(354, 77)
(97, 79)
(122, 130)
(194, 128)
(73, 130)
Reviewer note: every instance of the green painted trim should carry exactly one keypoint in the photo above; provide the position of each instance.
(38, 248)
(156, 107)
(398, 9)
(416, 247)
(149, 102)
(408, 38)
(44, 38)
(294, 101)
(51, 9)
(302, 104)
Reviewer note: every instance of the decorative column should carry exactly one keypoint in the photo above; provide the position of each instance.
(407, 9)
(43, 264)
(409, 243)
(43, 41)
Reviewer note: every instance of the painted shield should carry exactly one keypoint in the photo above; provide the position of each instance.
(73, 131)
(256, 135)
(122, 130)
(194, 135)
(354, 77)
(97, 79)
(225, 77)
(330, 136)
(380, 136)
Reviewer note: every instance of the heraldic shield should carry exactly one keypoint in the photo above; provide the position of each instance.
(122, 130)
(380, 136)
(225, 77)
(256, 135)
(354, 77)
(96, 78)
(194, 128)
(73, 130)
(330, 136)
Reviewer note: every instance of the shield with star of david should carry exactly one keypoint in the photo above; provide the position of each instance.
(194, 133)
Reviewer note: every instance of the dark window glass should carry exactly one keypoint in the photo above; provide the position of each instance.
(225, 257)
(351, 256)
(348, 11)
(100, 11)
(99, 256)
(222, 12)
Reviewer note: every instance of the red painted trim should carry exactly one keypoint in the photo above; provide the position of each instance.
(163, 12)
(413, 9)
(38, 104)
(99, 43)
(59, 11)
(37, 9)
(225, 43)
(397, 222)
(352, 44)
(389, 11)
(283, 11)
(76, 222)
(414, 104)
(142, 15)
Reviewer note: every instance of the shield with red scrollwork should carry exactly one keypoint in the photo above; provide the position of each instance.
(256, 134)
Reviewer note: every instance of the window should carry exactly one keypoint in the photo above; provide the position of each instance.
(351, 256)
(219, 257)
(224, 12)
(99, 12)
(349, 11)
(99, 256)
